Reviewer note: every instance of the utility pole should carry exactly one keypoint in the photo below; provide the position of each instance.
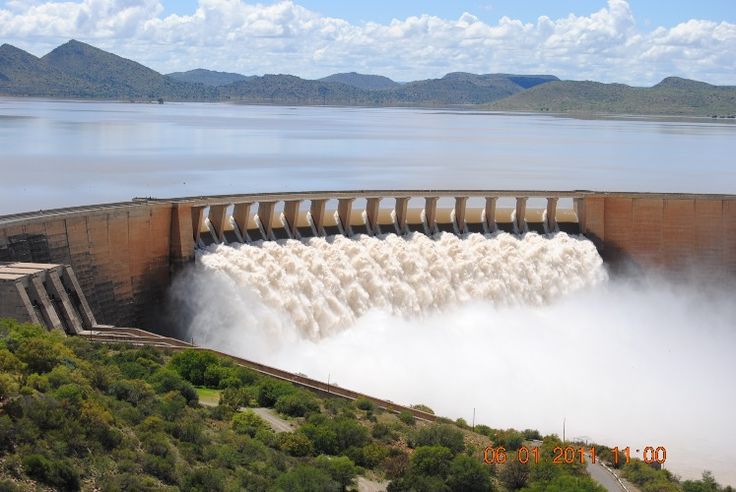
(563, 429)
(473, 418)
(328, 383)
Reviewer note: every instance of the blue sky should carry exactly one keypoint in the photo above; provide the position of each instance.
(630, 41)
(648, 12)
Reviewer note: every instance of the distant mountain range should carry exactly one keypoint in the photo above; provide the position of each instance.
(78, 70)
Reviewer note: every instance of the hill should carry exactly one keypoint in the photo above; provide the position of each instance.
(362, 81)
(207, 77)
(288, 89)
(672, 96)
(22, 74)
(117, 77)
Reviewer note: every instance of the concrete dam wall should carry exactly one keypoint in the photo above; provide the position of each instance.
(125, 254)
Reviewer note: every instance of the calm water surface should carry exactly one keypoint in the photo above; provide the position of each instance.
(60, 153)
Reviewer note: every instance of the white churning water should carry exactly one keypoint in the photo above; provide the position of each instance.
(323, 285)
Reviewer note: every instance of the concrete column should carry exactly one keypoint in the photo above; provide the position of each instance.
(265, 215)
(317, 211)
(181, 245)
(197, 221)
(460, 202)
(47, 308)
(521, 214)
(70, 279)
(430, 214)
(218, 220)
(291, 212)
(344, 210)
(57, 289)
(491, 213)
(241, 215)
(551, 215)
(400, 211)
(372, 207)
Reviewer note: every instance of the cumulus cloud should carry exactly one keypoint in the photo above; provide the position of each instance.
(284, 37)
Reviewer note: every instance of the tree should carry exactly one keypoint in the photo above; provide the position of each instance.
(468, 475)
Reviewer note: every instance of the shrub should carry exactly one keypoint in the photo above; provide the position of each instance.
(270, 390)
(514, 475)
(39, 354)
(248, 422)
(59, 473)
(441, 435)
(305, 478)
(423, 408)
(204, 479)
(431, 461)
(407, 417)
(364, 403)
(192, 365)
(373, 455)
(340, 468)
(468, 475)
(8, 386)
(295, 444)
(297, 404)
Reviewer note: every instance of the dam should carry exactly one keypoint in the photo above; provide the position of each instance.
(117, 260)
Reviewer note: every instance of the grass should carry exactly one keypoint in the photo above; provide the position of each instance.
(207, 396)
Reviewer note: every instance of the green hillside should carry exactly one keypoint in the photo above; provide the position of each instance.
(117, 77)
(672, 96)
(362, 81)
(207, 77)
(22, 74)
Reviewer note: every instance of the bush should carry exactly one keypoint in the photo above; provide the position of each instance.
(248, 422)
(295, 444)
(423, 408)
(441, 435)
(38, 354)
(305, 478)
(433, 461)
(364, 403)
(58, 474)
(468, 475)
(341, 469)
(514, 475)
(270, 390)
(192, 365)
(297, 404)
(204, 479)
(373, 455)
(407, 417)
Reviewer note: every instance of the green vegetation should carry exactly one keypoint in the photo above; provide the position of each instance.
(652, 479)
(77, 415)
(672, 96)
(76, 69)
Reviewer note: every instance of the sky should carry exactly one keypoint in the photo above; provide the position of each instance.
(636, 42)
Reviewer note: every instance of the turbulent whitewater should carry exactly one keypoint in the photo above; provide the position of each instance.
(323, 285)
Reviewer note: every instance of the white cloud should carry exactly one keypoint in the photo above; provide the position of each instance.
(284, 37)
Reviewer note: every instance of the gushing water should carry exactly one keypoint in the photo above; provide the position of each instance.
(322, 286)
(486, 323)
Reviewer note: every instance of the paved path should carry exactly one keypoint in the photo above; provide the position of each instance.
(365, 485)
(603, 477)
(277, 423)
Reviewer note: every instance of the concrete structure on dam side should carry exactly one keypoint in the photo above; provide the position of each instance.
(122, 255)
